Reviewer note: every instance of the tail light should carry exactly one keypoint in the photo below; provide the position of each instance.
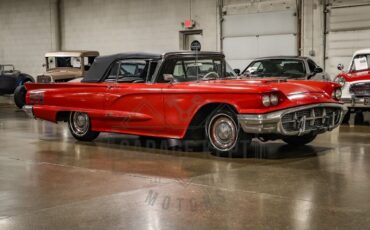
(36, 97)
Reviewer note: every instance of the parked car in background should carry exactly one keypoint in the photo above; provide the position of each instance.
(291, 67)
(11, 78)
(62, 66)
(187, 95)
(355, 84)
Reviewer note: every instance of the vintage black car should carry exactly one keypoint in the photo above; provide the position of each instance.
(292, 67)
(10, 79)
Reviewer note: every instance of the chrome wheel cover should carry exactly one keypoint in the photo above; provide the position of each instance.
(80, 123)
(223, 132)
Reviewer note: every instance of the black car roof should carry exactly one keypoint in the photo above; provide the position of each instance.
(102, 63)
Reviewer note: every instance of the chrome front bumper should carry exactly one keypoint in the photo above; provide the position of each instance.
(271, 123)
(355, 102)
(28, 109)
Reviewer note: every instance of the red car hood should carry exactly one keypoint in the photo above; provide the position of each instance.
(356, 76)
(264, 85)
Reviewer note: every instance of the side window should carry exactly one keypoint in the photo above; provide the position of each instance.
(131, 69)
(255, 67)
(185, 70)
(312, 65)
(179, 70)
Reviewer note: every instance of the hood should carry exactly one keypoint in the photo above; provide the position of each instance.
(356, 76)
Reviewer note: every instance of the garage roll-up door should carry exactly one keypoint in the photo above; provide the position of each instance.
(252, 35)
(348, 30)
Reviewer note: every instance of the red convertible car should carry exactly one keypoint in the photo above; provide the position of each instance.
(187, 95)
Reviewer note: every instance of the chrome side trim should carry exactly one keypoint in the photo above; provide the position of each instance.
(271, 123)
(28, 109)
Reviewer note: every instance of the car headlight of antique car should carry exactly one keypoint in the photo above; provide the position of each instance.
(270, 99)
(340, 80)
(337, 94)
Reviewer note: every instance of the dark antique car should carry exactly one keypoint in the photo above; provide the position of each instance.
(291, 67)
(11, 78)
(186, 95)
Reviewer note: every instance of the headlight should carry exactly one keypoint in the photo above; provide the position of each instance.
(337, 94)
(271, 99)
(266, 100)
(274, 99)
(340, 80)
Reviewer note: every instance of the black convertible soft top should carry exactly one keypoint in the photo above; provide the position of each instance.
(101, 64)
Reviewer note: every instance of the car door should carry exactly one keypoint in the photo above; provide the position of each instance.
(132, 105)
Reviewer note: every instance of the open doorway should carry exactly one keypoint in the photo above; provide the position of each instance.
(188, 36)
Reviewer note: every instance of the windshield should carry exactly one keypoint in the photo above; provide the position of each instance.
(361, 62)
(290, 68)
(185, 70)
(63, 62)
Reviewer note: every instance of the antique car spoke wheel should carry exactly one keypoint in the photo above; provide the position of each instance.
(79, 125)
(225, 138)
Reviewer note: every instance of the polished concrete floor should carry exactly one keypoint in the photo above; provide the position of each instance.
(50, 181)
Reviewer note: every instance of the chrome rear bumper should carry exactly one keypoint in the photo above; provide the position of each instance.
(330, 117)
(28, 109)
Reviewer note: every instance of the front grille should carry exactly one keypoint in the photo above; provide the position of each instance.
(306, 120)
(43, 79)
(360, 89)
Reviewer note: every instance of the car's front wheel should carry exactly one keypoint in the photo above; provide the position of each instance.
(299, 140)
(224, 135)
(80, 126)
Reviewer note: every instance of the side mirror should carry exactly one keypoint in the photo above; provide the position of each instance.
(237, 71)
(340, 67)
(168, 78)
(318, 70)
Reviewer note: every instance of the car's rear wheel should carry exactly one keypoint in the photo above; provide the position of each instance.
(299, 140)
(20, 96)
(80, 126)
(224, 135)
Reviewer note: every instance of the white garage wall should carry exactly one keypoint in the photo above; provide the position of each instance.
(312, 27)
(253, 29)
(112, 26)
(26, 33)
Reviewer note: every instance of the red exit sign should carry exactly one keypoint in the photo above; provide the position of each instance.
(189, 24)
